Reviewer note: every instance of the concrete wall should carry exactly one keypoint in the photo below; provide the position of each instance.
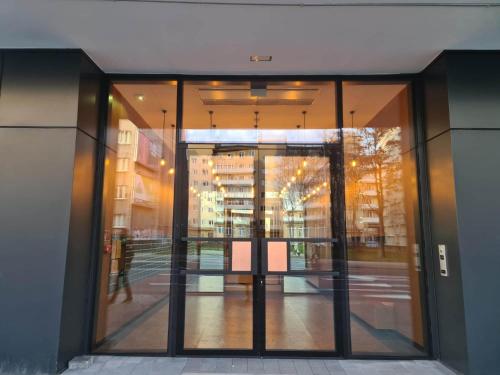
(462, 94)
(48, 142)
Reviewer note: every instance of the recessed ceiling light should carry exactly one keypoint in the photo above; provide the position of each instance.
(260, 58)
(140, 97)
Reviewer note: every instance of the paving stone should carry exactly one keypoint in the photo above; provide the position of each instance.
(240, 365)
(255, 365)
(271, 366)
(121, 365)
(286, 366)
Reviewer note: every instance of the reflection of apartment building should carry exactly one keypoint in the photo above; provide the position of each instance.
(136, 208)
(222, 192)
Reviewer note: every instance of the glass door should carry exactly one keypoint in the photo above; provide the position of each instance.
(221, 249)
(298, 249)
(260, 273)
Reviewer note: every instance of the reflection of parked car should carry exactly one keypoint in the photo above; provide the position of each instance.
(371, 243)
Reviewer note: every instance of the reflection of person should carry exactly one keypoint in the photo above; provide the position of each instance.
(315, 259)
(123, 269)
(247, 281)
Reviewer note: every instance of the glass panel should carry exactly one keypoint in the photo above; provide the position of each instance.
(221, 199)
(206, 255)
(277, 256)
(259, 112)
(299, 313)
(311, 256)
(382, 220)
(241, 256)
(137, 224)
(219, 312)
(297, 197)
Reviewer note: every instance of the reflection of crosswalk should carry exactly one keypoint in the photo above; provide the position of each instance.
(388, 287)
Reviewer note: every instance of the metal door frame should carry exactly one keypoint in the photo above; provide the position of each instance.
(340, 323)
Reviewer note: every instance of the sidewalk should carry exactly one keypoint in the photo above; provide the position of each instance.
(118, 365)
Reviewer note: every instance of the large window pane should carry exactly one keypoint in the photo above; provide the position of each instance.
(259, 112)
(137, 224)
(382, 220)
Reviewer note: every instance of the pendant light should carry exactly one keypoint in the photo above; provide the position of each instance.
(172, 169)
(162, 160)
(303, 126)
(354, 163)
(211, 125)
(256, 125)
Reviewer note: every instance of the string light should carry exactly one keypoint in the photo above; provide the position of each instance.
(162, 160)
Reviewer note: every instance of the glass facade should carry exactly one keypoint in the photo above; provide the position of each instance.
(268, 178)
(382, 219)
(134, 284)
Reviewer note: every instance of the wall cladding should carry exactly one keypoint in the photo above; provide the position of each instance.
(48, 125)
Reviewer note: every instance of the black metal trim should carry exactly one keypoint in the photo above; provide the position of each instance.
(119, 77)
(428, 277)
(2, 64)
(178, 262)
(97, 219)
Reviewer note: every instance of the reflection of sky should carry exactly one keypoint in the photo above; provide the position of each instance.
(260, 135)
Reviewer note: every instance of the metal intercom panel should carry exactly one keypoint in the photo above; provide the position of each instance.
(443, 261)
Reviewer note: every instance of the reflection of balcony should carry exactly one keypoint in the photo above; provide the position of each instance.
(287, 219)
(239, 206)
(369, 220)
(239, 194)
(368, 206)
(246, 182)
(240, 221)
(234, 171)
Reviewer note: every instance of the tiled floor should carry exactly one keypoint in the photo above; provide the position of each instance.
(109, 365)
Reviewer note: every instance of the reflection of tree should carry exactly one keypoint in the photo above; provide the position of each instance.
(373, 158)
(294, 178)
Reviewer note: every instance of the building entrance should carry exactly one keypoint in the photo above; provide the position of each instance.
(231, 209)
(260, 258)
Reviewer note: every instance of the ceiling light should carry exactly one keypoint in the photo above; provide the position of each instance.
(140, 97)
(261, 58)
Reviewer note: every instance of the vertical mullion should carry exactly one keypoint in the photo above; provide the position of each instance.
(343, 333)
(179, 224)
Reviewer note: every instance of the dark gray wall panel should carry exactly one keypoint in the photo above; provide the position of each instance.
(89, 97)
(436, 99)
(450, 305)
(39, 88)
(476, 157)
(474, 90)
(36, 173)
(76, 283)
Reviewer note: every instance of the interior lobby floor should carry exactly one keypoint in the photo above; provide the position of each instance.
(214, 321)
(110, 365)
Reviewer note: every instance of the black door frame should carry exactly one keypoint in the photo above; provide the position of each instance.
(333, 151)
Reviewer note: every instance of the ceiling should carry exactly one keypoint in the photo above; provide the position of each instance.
(319, 37)
(366, 99)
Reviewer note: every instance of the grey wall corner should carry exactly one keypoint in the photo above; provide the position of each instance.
(47, 166)
(462, 98)
(443, 217)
